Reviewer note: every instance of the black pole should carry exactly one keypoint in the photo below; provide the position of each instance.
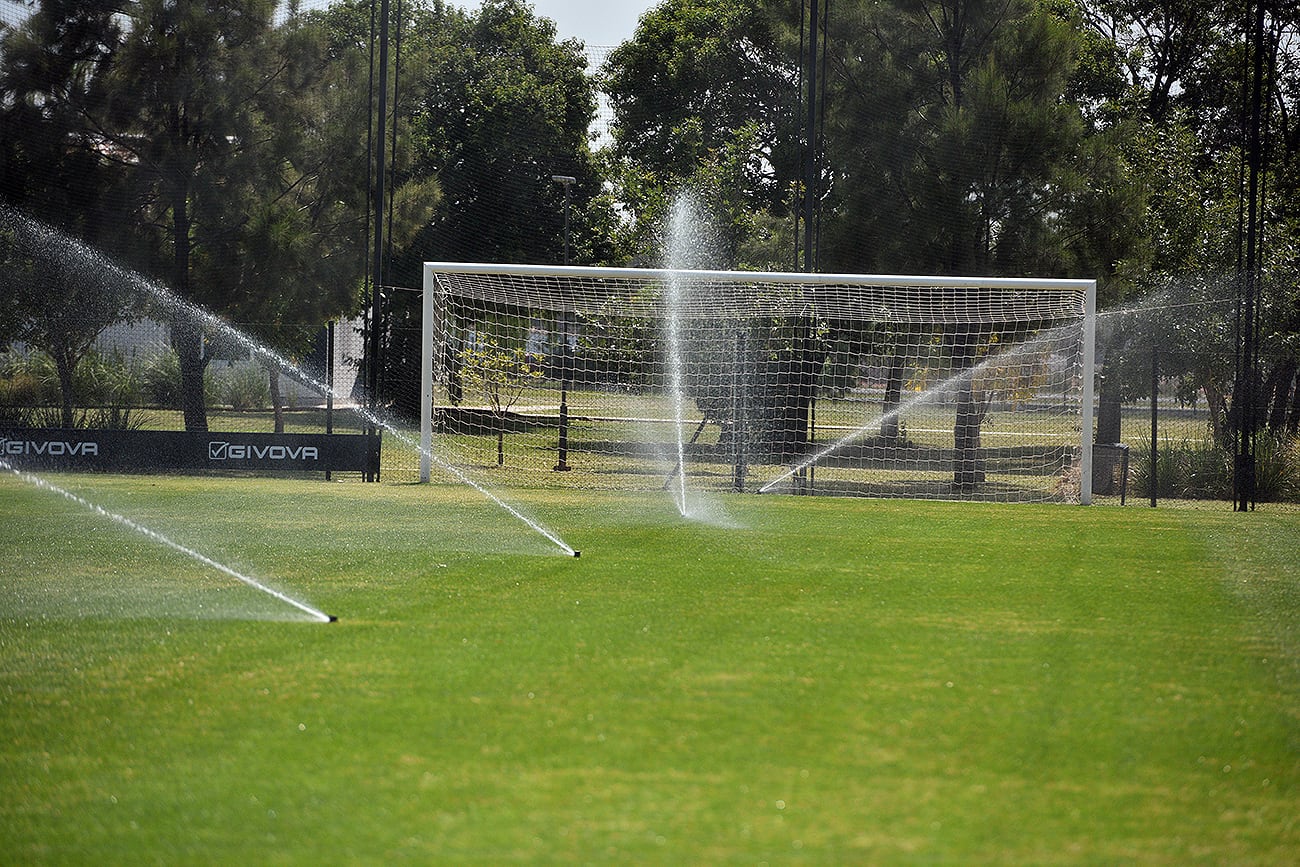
(377, 263)
(1247, 376)
(738, 414)
(1155, 422)
(566, 350)
(810, 184)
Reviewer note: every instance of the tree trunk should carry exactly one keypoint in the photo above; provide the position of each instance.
(1109, 419)
(968, 461)
(795, 383)
(1109, 415)
(1219, 424)
(187, 340)
(1280, 398)
(501, 440)
(187, 334)
(890, 424)
(65, 367)
(1293, 424)
(277, 400)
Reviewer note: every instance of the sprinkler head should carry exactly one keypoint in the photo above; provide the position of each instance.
(577, 553)
(333, 619)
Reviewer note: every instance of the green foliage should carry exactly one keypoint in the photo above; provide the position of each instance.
(241, 387)
(1277, 468)
(505, 106)
(223, 148)
(1202, 470)
(704, 101)
(1185, 470)
(100, 379)
(497, 374)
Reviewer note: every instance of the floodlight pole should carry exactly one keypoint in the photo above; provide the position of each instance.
(377, 261)
(562, 465)
(1246, 394)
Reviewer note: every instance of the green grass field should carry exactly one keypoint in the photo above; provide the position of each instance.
(802, 680)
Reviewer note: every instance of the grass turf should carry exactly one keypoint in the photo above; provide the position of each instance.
(807, 681)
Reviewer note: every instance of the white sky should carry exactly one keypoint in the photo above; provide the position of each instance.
(595, 22)
(598, 23)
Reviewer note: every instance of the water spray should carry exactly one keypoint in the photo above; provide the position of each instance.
(178, 306)
(314, 613)
(1036, 344)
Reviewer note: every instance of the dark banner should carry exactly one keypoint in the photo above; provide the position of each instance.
(143, 451)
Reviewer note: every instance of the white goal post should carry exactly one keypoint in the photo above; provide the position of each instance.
(876, 371)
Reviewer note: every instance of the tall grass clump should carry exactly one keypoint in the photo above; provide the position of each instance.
(107, 390)
(1185, 470)
(1277, 468)
(1203, 470)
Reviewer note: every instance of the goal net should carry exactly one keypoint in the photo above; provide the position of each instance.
(849, 385)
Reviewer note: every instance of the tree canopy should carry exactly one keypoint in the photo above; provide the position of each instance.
(223, 147)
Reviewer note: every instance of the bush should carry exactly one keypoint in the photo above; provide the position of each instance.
(1277, 468)
(160, 379)
(243, 387)
(1185, 470)
(1204, 471)
(28, 379)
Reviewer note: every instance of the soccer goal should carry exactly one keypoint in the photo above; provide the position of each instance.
(835, 384)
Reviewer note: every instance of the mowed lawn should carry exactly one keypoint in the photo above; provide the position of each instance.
(799, 680)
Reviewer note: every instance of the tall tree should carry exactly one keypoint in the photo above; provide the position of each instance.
(705, 99)
(502, 108)
(232, 139)
(952, 150)
(505, 108)
(58, 186)
(1184, 68)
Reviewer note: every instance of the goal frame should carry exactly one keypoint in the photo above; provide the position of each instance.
(429, 308)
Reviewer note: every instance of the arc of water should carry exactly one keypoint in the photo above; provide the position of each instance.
(179, 306)
(1036, 344)
(284, 364)
(37, 481)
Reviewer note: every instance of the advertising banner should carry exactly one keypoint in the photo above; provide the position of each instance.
(145, 451)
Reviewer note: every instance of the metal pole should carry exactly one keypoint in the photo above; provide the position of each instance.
(738, 414)
(1246, 398)
(810, 185)
(1155, 422)
(1086, 410)
(566, 351)
(377, 263)
(428, 348)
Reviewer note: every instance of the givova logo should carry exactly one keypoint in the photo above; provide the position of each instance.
(55, 448)
(219, 451)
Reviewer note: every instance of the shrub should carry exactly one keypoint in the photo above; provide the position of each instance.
(29, 379)
(160, 378)
(243, 387)
(1184, 470)
(1277, 468)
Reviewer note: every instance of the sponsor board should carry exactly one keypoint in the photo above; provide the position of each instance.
(144, 451)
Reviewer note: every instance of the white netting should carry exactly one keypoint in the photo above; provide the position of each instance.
(843, 384)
